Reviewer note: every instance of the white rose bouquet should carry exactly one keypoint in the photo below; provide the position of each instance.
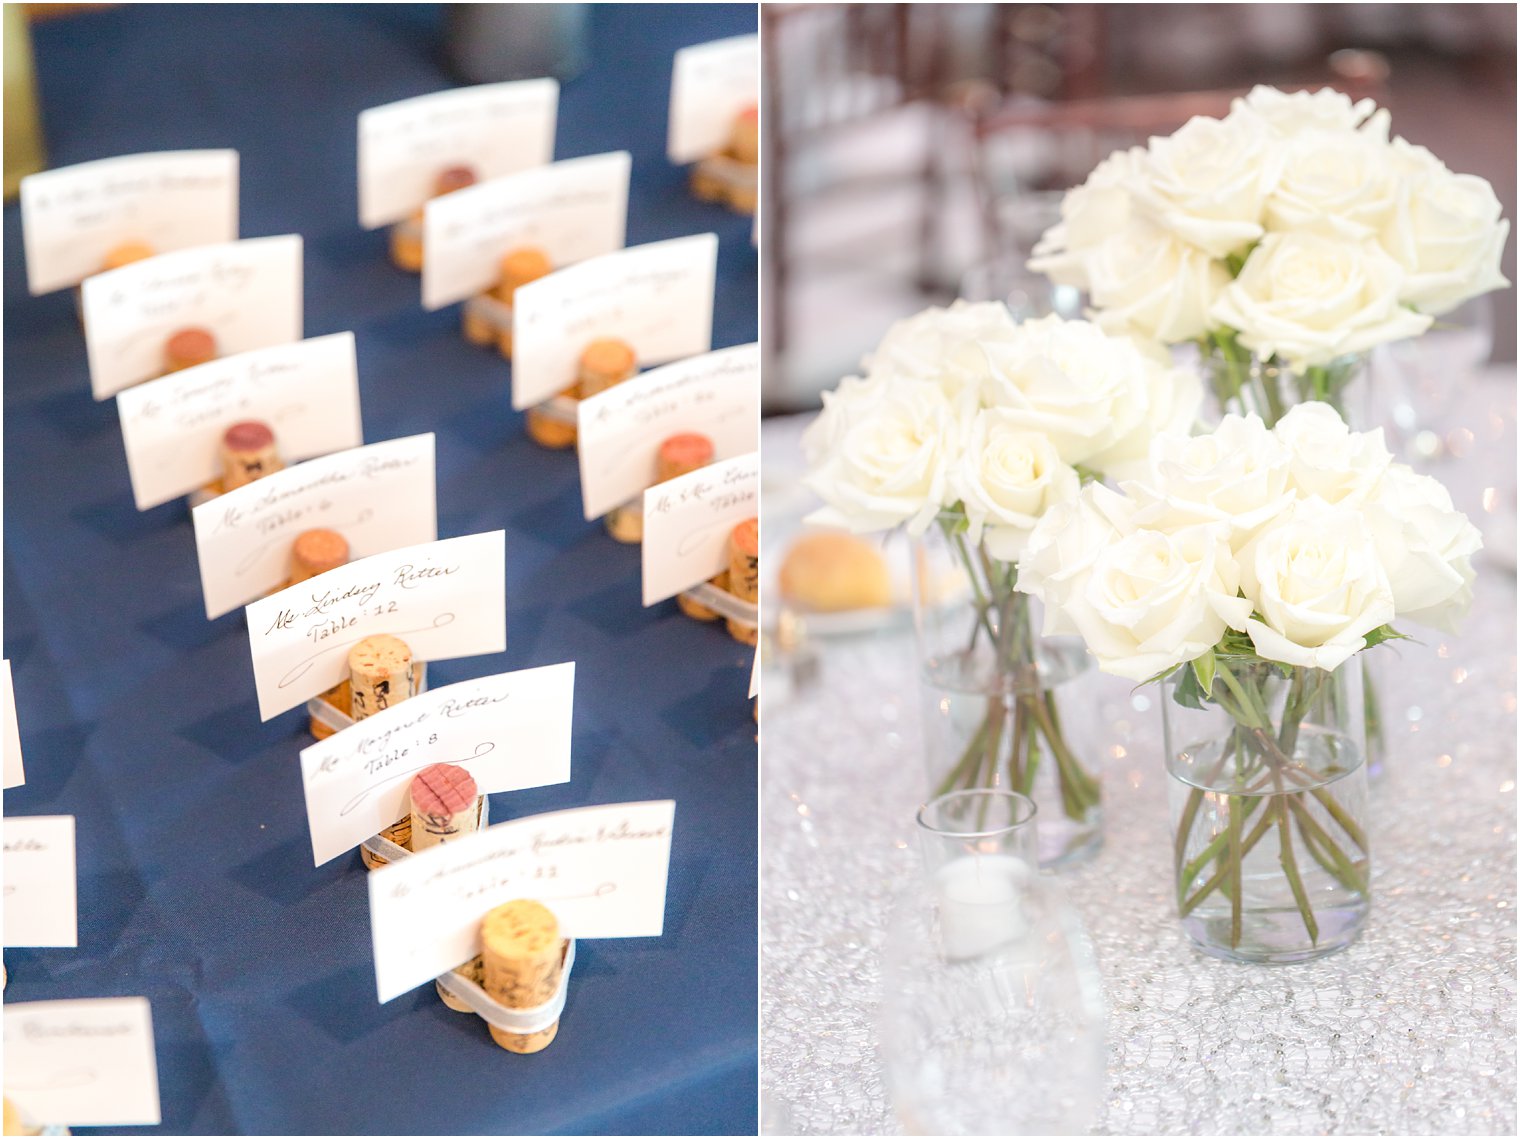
(1288, 238)
(978, 426)
(1246, 567)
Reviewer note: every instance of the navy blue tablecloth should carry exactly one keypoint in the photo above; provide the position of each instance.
(138, 716)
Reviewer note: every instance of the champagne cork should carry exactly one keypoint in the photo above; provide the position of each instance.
(315, 552)
(744, 141)
(603, 364)
(187, 348)
(379, 674)
(744, 573)
(549, 432)
(125, 254)
(678, 455)
(248, 453)
(523, 956)
(518, 268)
(699, 611)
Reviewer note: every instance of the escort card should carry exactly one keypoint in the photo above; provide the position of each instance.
(602, 870)
(687, 522)
(378, 497)
(40, 890)
(495, 129)
(571, 210)
(82, 1063)
(246, 293)
(10, 734)
(72, 217)
(509, 732)
(307, 392)
(710, 84)
(657, 297)
(444, 599)
(621, 429)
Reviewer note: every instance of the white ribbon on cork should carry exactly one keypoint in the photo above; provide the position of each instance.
(724, 603)
(519, 1020)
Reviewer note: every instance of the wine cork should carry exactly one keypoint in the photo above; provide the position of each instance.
(314, 552)
(518, 268)
(625, 523)
(125, 254)
(548, 431)
(406, 244)
(744, 574)
(744, 141)
(399, 833)
(454, 178)
(445, 805)
(187, 348)
(682, 454)
(379, 674)
(523, 956)
(248, 454)
(472, 970)
(695, 609)
(340, 698)
(603, 364)
(706, 186)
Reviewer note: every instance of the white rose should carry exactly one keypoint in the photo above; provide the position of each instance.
(1237, 475)
(1336, 184)
(1006, 480)
(1143, 601)
(1426, 545)
(1208, 182)
(1288, 114)
(892, 463)
(1317, 581)
(1170, 401)
(1146, 281)
(1090, 214)
(1063, 546)
(941, 345)
(1446, 232)
(843, 407)
(1069, 380)
(1329, 460)
(1311, 299)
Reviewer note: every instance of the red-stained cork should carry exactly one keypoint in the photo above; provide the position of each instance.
(443, 790)
(249, 435)
(746, 537)
(189, 347)
(454, 178)
(682, 454)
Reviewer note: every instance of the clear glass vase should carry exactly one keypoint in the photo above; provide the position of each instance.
(1243, 383)
(992, 1019)
(997, 696)
(1268, 793)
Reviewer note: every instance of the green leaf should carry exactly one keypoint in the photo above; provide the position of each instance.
(1203, 670)
(1188, 692)
(1087, 474)
(1384, 633)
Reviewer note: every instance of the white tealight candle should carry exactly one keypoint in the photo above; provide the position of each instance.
(979, 904)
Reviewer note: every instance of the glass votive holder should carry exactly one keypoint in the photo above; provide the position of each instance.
(980, 853)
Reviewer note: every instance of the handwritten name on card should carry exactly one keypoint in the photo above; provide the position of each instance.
(687, 522)
(657, 297)
(571, 210)
(40, 883)
(621, 429)
(307, 392)
(245, 293)
(74, 216)
(444, 599)
(10, 733)
(601, 870)
(82, 1063)
(710, 84)
(509, 732)
(378, 498)
(494, 129)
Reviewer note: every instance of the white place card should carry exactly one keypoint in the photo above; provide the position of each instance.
(754, 675)
(620, 430)
(72, 217)
(710, 84)
(657, 297)
(10, 733)
(444, 599)
(246, 293)
(571, 210)
(379, 497)
(687, 522)
(509, 732)
(41, 906)
(84, 1063)
(601, 870)
(307, 392)
(495, 129)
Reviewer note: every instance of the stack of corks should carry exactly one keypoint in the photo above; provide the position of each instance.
(380, 674)
(678, 455)
(521, 963)
(742, 579)
(406, 238)
(603, 364)
(518, 268)
(732, 175)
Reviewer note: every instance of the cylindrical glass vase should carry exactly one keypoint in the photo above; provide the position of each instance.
(1243, 383)
(996, 694)
(1268, 792)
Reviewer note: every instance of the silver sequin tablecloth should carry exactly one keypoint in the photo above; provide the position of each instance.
(1409, 1031)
